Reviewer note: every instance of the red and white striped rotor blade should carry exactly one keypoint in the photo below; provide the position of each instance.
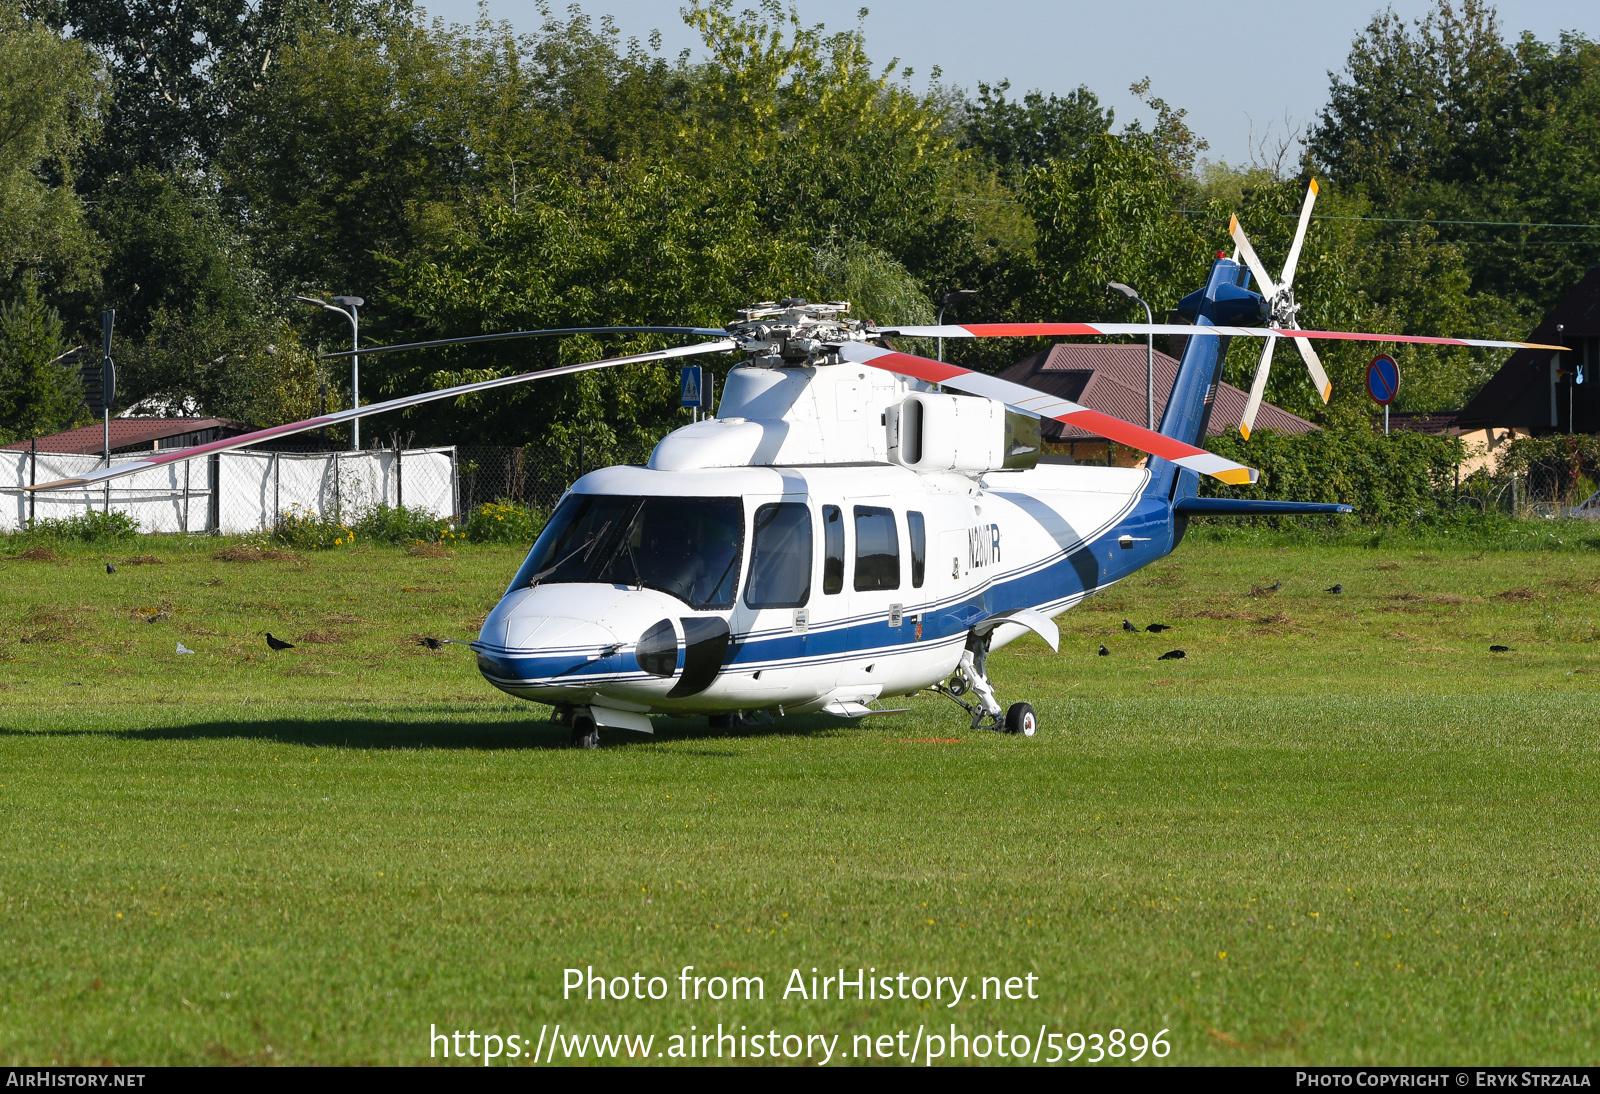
(1049, 406)
(1066, 330)
(106, 474)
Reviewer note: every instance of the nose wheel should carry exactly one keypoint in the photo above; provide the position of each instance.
(585, 734)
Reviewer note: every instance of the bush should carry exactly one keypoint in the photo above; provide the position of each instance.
(1399, 479)
(399, 526)
(501, 522)
(310, 531)
(1557, 468)
(91, 527)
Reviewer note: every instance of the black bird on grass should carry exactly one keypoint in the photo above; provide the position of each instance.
(1499, 649)
(278, 643)
(1172, 655)
(1275, 586)
(110, 569)
(1337, 589)
(1157, 628)
(433, 643)
(1129, 627)
(1103, 651)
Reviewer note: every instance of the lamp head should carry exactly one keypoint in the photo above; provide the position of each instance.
(1121, 289)
(349, 301)
(956, 294)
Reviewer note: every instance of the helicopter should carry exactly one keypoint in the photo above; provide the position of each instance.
(855, 523)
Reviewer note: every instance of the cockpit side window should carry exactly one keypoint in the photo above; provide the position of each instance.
(780, 557)
(832, 550)
(877, 549)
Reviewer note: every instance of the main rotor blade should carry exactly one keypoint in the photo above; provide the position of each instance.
(1299, 236)
(1248, 253)
(367, 351)
(1058, 330)
(1258, 388)
(1048, 406)
(106, 474)
(1319, 377)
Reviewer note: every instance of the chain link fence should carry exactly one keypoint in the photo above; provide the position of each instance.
(529, 475)
(1532, 493)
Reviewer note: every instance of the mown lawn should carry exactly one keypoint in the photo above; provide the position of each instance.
(1339, 831)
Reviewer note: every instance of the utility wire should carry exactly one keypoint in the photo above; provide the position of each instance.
(1381, 220)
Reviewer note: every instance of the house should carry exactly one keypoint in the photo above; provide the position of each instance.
(1538, 391)
(130, 435)
(1111, 379)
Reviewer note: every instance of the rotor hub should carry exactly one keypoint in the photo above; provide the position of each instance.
(1285, 311)
(794, 332)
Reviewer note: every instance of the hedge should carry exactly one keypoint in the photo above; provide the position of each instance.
(1400, 478)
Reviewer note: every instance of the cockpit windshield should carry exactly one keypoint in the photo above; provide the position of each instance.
(689, 548)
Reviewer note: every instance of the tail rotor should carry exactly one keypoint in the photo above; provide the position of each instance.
(1284, 311)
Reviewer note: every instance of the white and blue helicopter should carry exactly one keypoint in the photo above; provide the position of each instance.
(856, 523)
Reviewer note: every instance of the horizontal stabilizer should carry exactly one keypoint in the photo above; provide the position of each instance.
(1244, 507)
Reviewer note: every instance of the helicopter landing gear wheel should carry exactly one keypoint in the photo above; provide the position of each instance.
(585, 734)
(1020, 718)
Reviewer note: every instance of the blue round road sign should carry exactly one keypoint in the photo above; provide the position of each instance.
(1383, 379)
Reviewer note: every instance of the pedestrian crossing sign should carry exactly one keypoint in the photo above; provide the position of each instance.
(694, 389)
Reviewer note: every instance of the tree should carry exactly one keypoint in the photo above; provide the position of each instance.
(199, 327)
(832, 148)
(1113, 213)
(180, 69)
(1492, 144)
(652, 246)
(50, 95)
(1018, 135)
(38, 393)
(362, 149)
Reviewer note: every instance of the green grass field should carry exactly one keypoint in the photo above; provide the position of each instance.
(1340, 831)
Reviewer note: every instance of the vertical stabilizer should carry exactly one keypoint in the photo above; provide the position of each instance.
(1223, 302)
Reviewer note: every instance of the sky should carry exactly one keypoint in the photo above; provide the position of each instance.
(1240, 67)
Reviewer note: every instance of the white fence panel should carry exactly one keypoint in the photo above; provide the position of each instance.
(252, 488)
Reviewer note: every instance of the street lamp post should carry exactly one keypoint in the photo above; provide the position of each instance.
(1149, 352)
(347, 306)
(954, 296)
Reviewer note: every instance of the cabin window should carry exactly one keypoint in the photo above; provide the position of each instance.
(689, 548)
(918, 530)
(877, 549)
(832, 550)
(780, 557)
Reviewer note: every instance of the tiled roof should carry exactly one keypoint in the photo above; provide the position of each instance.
(1417, 422)
(1111, 379)
(129, 433)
